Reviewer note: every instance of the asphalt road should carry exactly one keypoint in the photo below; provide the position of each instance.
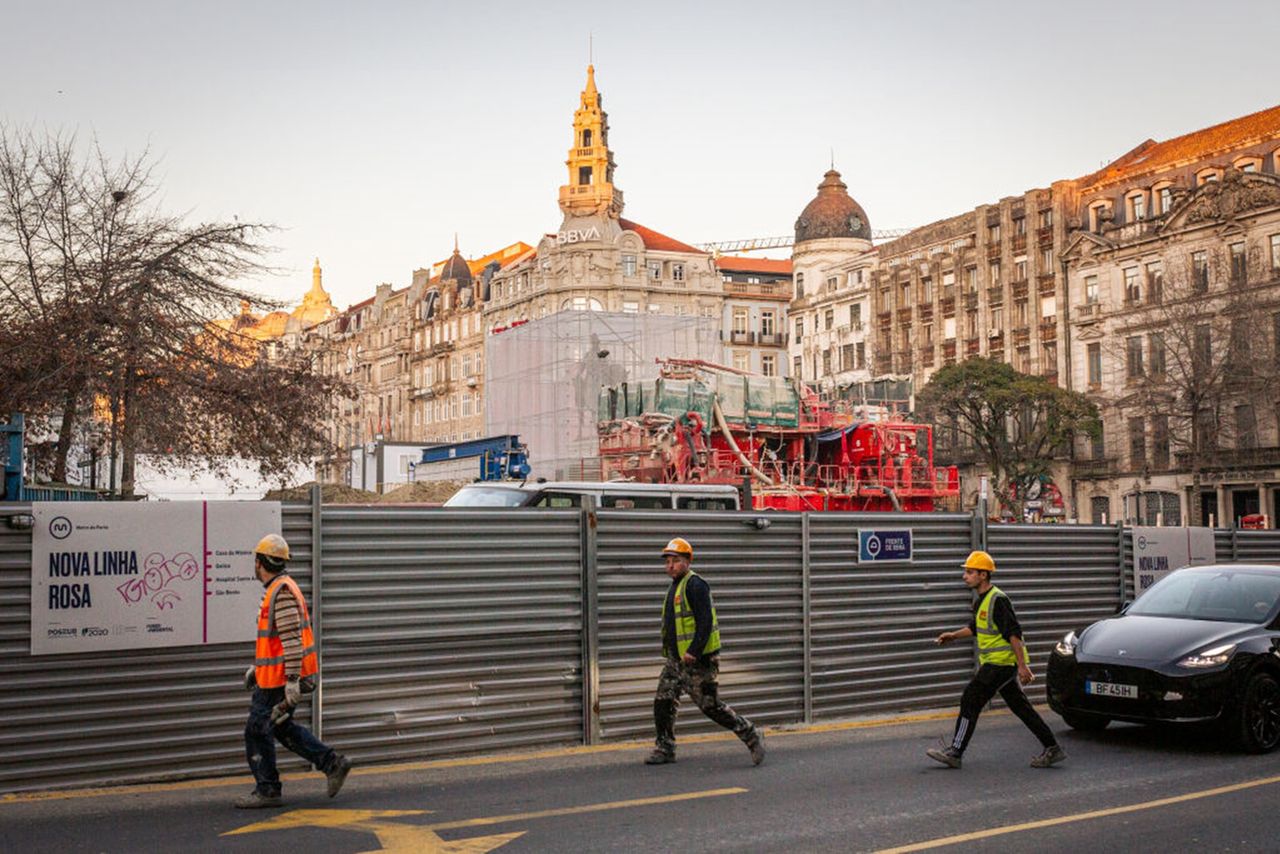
(856, 786)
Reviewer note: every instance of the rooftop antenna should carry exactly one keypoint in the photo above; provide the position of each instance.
(833, 157)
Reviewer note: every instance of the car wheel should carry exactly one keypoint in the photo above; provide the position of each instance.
(1258, 721)
(1086, 723)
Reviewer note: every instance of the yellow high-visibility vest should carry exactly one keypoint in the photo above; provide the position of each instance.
(685, 623)
(992, 647)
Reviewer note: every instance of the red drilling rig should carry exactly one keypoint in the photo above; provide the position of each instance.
(701, 422)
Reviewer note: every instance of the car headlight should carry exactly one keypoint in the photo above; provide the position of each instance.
(1067, 646)
(1209, 657)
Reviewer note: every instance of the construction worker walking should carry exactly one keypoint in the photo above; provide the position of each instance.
(691, 646)
(285, 668)
(1002, 665)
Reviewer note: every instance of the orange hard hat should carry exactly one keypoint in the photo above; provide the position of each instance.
(679, 546)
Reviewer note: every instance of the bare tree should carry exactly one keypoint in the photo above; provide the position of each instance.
(109, 308)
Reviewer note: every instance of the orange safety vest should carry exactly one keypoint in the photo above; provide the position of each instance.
(269, 652)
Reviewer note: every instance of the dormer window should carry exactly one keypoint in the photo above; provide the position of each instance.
(1162, 198)
(1099, 213)
(1204, 176)
(1136, 206)
(1248, 164)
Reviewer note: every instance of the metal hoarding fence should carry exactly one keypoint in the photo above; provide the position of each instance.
(446, 632)
(450, 631)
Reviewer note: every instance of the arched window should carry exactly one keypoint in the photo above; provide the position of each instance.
(1248, 164)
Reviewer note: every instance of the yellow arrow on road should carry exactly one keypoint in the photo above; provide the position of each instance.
(402, 837)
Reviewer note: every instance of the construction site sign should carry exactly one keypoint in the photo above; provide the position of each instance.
(108, 576)
(882, 545)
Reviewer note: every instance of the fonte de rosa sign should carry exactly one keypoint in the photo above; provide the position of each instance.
(577, 235)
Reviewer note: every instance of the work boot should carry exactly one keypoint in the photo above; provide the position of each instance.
(255, 800)
(948, 756)
(755, 743)
(659, 757)
(337, 775)
(1051, 756)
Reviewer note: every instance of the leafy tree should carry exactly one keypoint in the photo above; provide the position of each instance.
(1016, 423)
(107, 313)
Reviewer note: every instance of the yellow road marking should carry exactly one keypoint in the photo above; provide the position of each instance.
(399, 837)
(1083, 816)
(471, 761)
(612, 805)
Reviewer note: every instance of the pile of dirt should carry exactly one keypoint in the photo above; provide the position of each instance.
(423, 492)
(330, 493)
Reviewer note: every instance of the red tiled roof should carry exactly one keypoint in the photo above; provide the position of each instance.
(654, 240)
(741, 264)
(1151, 155)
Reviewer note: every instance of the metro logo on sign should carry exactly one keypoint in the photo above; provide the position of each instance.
(877, 545)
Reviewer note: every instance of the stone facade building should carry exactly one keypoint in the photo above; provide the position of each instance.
(1174, 282)
(753, 323)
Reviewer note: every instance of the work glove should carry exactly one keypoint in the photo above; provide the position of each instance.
(281, 712)
(292, 691)
(251, 678)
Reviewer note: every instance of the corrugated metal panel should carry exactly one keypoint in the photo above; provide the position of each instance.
(755, 576)
(1224, 545)
(1060, 578)
(450, 631)
(873, 625)
(1257, 547)
(126, 716)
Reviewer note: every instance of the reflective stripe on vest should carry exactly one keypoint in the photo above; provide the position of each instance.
(686, 625)
(268, 658)
(992, 647)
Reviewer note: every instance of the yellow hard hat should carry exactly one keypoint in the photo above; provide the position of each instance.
(679, 546)
(980, 560)
(272, 545)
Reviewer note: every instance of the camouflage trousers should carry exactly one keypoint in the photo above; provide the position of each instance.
(698, 680)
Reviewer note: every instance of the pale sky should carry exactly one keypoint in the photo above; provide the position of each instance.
(372, 132)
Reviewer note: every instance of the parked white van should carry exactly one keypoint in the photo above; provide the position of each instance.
(620, 495)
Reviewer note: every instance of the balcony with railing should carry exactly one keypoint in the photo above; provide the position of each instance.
(970, 301)
(758, 289)
(904, 315)
(948, 305)
(1048, 328)
(995, 294)
(1044, 235)
(1019, 289)
(1019, 243)
(972, 346)
(926, 313)
(884, 363)
(995, 343)
(1229, 458)
(949, 349)
(1045, 283)
(926, 356)
(741, 336)
(902, 361)
(993, 251)
(1021, 335)
(772, 339)
(1090, 311)
(1094, 468)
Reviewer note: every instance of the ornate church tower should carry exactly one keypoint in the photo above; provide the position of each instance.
(590, 191)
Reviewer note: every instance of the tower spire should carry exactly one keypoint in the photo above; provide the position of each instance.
(590, 189)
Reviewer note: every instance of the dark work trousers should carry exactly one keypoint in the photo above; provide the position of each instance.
(698, 680)
(990, 679)
(260, 736)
